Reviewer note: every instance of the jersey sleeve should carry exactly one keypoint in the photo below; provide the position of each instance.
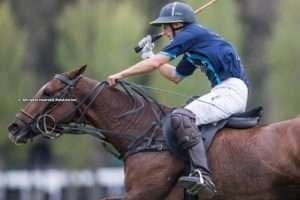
(185, 68)
(179, 45)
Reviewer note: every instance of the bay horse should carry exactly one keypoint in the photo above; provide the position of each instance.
(251, 164)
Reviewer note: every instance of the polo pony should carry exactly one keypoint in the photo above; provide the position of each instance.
(257, 163)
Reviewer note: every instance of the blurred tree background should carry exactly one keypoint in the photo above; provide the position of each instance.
(41, 38)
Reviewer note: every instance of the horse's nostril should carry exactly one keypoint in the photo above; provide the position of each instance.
(13, 128)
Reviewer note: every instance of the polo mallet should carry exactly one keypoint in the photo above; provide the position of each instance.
(154, 38)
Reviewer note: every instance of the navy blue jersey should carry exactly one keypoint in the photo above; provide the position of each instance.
(207, 51)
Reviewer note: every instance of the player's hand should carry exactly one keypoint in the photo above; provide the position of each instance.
(113, 79)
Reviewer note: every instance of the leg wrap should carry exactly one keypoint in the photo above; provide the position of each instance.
(186, 131)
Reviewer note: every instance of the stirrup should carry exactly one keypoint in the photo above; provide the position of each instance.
(197, 172)
(196, 184)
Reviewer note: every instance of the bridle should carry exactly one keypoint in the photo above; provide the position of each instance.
(40, 122)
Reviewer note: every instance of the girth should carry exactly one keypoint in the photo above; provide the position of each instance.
(151, 141)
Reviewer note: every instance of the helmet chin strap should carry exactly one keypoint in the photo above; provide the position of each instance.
(174, 29)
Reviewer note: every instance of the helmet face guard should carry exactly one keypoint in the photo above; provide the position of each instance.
(176, 12)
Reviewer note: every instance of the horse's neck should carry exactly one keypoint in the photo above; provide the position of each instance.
(108, 106)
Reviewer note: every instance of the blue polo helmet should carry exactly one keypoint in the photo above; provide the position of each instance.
(175, 12)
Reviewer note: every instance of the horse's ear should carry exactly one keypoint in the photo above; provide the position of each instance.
(76, 72)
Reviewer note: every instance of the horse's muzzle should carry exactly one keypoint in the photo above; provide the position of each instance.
(17, 134)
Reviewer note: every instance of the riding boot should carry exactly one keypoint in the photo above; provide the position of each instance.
(199, 180)
(190, 140)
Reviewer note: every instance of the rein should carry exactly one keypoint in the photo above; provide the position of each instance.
(132, 91)
(145, 141)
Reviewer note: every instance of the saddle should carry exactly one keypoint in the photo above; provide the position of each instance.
(243, 120)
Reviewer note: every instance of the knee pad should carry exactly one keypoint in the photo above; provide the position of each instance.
(182, 118)
(186, 131)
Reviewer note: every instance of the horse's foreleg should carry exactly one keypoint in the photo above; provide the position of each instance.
(151, 175)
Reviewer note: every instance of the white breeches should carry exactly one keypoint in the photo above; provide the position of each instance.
(227, 98)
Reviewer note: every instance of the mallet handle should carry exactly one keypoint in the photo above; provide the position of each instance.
(197, 11)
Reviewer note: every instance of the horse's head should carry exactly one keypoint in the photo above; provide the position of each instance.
(53, 103)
